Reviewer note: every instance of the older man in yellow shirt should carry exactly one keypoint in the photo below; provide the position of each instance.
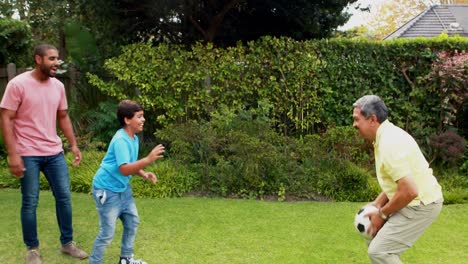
(411, 198)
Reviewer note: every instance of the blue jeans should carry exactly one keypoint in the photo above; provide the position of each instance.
(55, 170)
(110, 207)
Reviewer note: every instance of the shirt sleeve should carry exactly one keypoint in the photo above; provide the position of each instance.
(397, 162)
(122, 152)
(12, 97)
(63, 105)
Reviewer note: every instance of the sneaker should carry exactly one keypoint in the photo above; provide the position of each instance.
(74, 251)
(33, 256)
(130, 260)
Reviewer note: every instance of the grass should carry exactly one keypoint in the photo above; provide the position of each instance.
(203, 230)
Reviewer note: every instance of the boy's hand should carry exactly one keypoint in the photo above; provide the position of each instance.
(149, 176)
(156, 153)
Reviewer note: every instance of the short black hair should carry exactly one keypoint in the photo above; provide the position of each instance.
(42, 48)
(127, 109)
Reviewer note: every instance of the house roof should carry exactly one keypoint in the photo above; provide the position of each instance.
(452, 19)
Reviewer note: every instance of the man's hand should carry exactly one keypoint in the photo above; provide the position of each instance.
(16, 165)
(376, 222)
(77, 153)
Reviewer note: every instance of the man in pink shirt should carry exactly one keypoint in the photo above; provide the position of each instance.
(33, 104)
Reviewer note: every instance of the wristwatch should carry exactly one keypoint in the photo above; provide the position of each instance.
(382, 215)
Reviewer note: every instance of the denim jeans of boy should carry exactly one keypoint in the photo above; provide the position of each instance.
(110, 207)
(55, 170)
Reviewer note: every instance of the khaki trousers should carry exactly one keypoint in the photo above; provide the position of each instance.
(401, 231)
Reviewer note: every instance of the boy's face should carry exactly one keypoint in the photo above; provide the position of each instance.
(136, 122)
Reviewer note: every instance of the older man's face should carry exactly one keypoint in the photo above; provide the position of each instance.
(364, 126)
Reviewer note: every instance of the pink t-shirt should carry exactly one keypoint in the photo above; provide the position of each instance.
(36, 105)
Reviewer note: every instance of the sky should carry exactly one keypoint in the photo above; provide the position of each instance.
(361, 18)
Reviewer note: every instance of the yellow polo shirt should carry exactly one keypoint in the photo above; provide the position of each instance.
(397, 155)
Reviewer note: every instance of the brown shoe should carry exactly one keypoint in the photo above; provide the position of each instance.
(33, 256)
(74, 251)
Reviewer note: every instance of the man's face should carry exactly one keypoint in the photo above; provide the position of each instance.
(49, 63)
(365, 127)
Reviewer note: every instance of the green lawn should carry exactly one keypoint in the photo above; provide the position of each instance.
(202, 230)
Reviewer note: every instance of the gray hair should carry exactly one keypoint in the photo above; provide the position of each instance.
(372, 105)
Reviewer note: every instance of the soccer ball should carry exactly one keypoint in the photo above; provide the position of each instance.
(362, 223)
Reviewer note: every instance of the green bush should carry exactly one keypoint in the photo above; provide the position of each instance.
(448, 148)
(102, 123)
(273, 117)
(300, 177)
(239, 154)
(311, 84)
(344, 143)
(456, 196)
(464, 166)
(174, 180)
(337, 163)
(234, 154)
(15, 42)
(3, 151)
(454, 184)
(7, 180)
(344, 181)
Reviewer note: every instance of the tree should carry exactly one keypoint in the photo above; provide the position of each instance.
(450, 75)
(355, 32)
(249, 19)
(394, 13)
(15, 42)
(222, 22)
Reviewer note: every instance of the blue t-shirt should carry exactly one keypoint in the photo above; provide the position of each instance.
(122, 150)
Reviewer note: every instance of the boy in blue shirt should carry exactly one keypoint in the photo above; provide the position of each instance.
(112, 191)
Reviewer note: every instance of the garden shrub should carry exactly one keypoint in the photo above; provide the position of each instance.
(16, 42)
(273, 117)
(344, 143)
(7, 180)
(454, 186)
(239, 154)
(81, 177)
(448, 78)
(464, 166)
(337, 165)
(3, 151)
(344, 181)
(103, 122)
(455, 196)
(448, 147)
(174, 180)
(233, 153)
(310, 84)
